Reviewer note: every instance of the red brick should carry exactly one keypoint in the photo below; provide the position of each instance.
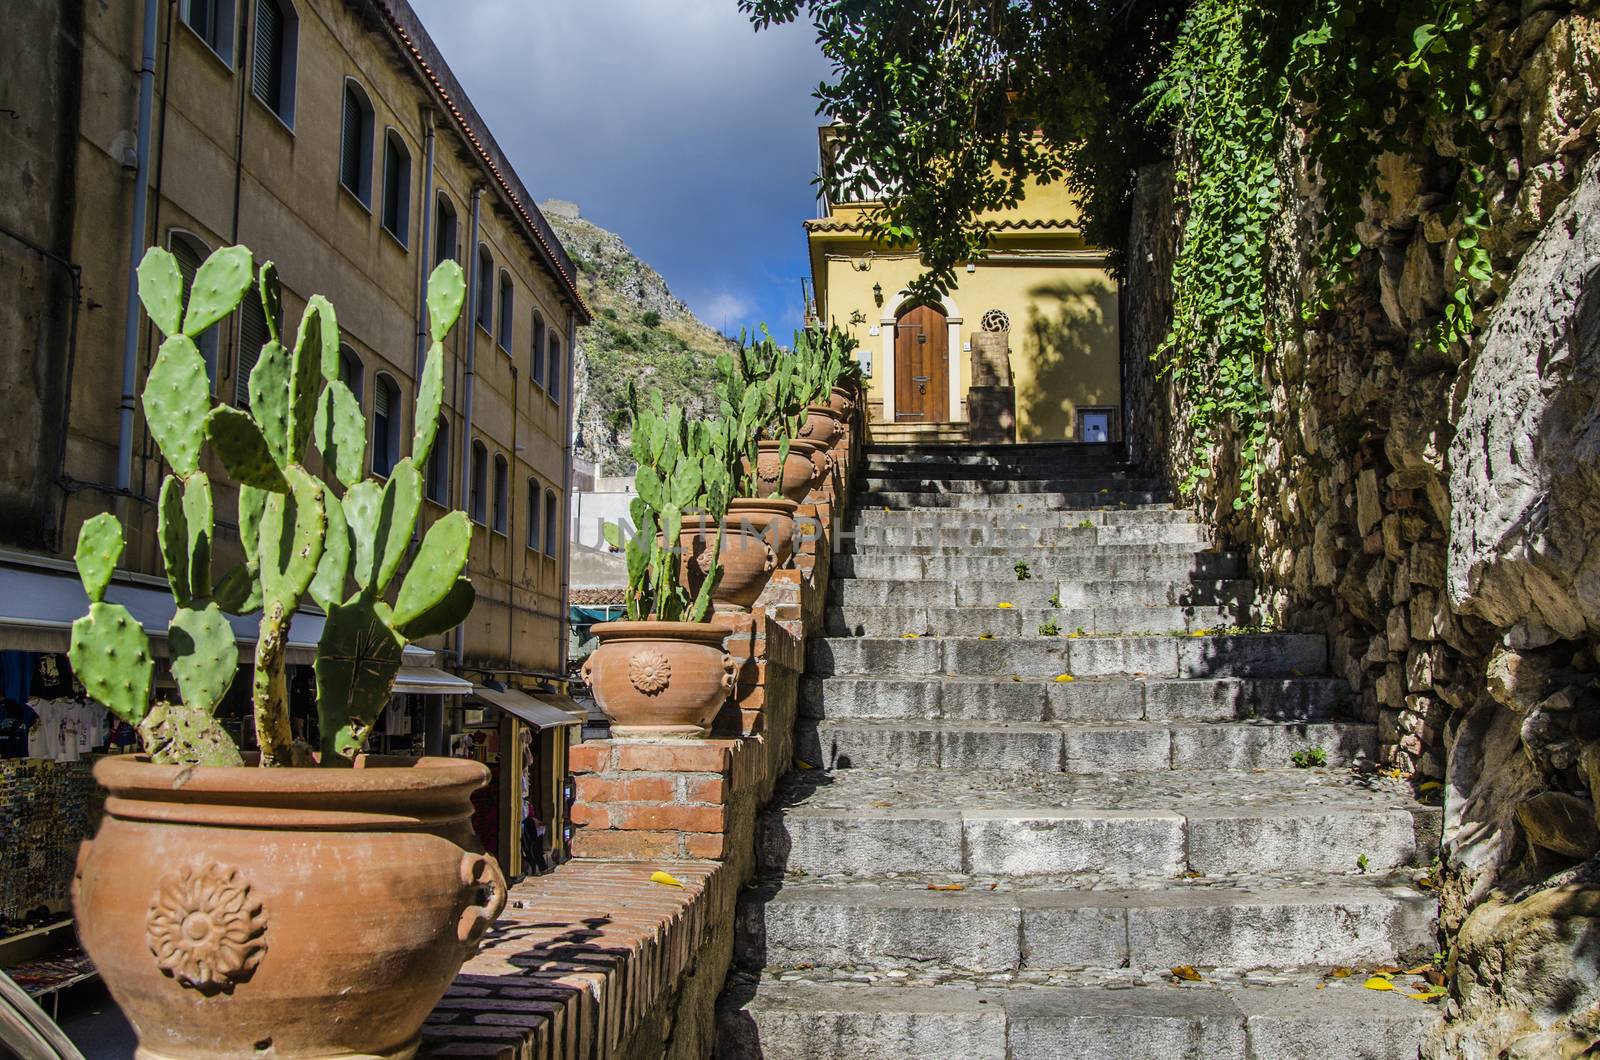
(586, 814)
(678, 818)
(591, 757)
(705, 845)
(699, 756)
(632, 789)
(704, 789)
(612, 844)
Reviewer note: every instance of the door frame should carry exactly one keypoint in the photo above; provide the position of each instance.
(886, 328)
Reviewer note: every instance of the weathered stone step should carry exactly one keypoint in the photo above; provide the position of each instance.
(1004, 557)
(1036, 592)
(1008, 825)
(873, 621)
(1282, 1017)
(1077, 747)
(1242, 655)
(1012, 519)
(1106, 699)
(1249, 923)
(954, 538)
(988, 486)
(1109, 563)
(1015, 502)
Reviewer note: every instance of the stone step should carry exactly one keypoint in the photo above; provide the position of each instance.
(1243, 923)
(1103, 699)
(1107, 563)
(1287, 1016)
(1062, 453)
(982, 485)
(1242, 655)
(1004, 557)
(1020, 502)
(1036, 592)
(951, 539)
(1009, 825)
(1076, 747)
(872, 621)
(1012, 519)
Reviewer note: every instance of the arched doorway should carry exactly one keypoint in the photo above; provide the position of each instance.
(921, 366)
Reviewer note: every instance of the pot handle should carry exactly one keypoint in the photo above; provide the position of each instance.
(730, 670)
(478, 871)
(772, 558)
(587, 670)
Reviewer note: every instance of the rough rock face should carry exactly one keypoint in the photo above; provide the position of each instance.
(1434, 514)
(1525, 464)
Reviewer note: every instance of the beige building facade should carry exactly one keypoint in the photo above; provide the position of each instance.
(330, 137)
(1054, 289)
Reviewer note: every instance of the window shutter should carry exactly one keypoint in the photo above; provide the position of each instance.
(380, 400)
(253, 335)
(267, 73)
(350, 149)
(553, 384)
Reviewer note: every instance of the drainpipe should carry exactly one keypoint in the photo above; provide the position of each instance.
(475, 281)
(566, 493)
(141, 192)
(429, 206)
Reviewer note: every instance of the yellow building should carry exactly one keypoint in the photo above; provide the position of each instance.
(1059, 298)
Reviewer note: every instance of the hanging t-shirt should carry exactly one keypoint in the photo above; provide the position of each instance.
(16, 719)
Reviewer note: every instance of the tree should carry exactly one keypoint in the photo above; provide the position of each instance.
(951, 108)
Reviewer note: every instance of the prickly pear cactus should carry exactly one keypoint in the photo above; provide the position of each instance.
(343, 542)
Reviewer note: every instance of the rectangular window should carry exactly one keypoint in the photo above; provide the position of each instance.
(396, 189)
(551, 515)
(507, 303)
(534, 500)
(212, 22)
(502, 494)
(553, 370)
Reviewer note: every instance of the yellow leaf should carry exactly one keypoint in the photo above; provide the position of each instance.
(885, 507)
(1341, 972)
(1201, 633)
(1421, 969)
(1187, 973)
(947, 886)
(909, 636)
(1429, 785)
(986, 636)
(1378, 982)
(1017, 679)
(1062, 679)
(1003, 605)
(665, 879)
(882, 804)
(801, 763)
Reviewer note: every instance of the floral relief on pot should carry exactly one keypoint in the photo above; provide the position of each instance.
(205, 927)
(649, 671)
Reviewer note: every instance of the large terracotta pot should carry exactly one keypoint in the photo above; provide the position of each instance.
(757, 539)
(821, 460)
(843, 401)
(660, 678)
(794, 479)
(242, 912)
(822, 424)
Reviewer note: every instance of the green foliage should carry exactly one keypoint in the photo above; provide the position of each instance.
(1024, 572)
(1049, 629)
(1307, 757)
(298, 532)
(651, 319)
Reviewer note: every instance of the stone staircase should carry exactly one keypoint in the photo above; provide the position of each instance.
(1009, 840)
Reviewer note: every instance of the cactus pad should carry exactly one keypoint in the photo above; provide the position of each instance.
(252, 503)
(314, 347)
(99, 549)
(238, 592)
(161, 289)
(434, 572)
(205, 655)
(271, 297)
(357, 659)
(430, 398)
(177, 394)
(173, 534)
(269, 400)
(177, 734)
(244, 450)
(111, 656)
(443, 616)
(382, 519)
(219, 284)
(199, 517)
(447, 290)
(333, 570)
(292, 529)
(341, 432)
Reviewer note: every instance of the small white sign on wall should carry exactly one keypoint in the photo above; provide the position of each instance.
(874, 331)
(966, 347)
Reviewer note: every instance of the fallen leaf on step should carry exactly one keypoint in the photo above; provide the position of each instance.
(801, 763)
(1341, 972)
(1421, 969)
(1432, 993)
(1201, 633)
(1017, 679)
(665, 879)
(986, 636)
(947, 886)
(1187, 973)
(1429, 785)
(1386, 969)
(1003, 606)
(882, 804)
(1378, 982)
(992, 886)
(909, 636)
(1062, 679)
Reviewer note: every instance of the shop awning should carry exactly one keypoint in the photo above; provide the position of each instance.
(534, 711)
(430, 681)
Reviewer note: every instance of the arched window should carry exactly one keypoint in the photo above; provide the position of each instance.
(396, 187)
(552, 520)
(508, 296)
(355, 142)
(385, 425)
(485, 288)
(552, 373)
(535, 499)
(502, 493)
(475, 487)
(190, 252)
(444, 232)
(536, 357)
(272, 69)
(212, 22)
(438, 484)
(353, 374)
(253, 335)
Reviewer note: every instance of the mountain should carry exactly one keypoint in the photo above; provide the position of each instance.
(641, 334)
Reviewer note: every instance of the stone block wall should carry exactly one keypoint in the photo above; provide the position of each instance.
(1437, 518)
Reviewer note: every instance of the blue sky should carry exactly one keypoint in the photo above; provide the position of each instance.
(670, 122)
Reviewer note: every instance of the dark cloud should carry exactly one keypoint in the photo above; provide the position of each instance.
(670, 122)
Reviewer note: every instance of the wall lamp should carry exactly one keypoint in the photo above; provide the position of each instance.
(877, 294)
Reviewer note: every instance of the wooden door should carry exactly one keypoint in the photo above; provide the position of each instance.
(921, 366)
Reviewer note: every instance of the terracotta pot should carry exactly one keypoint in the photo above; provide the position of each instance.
(323, 911)
(822, 425)
(821, 459)
(758, 538)
(660, 678)
(843, 401)
(797, 474)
